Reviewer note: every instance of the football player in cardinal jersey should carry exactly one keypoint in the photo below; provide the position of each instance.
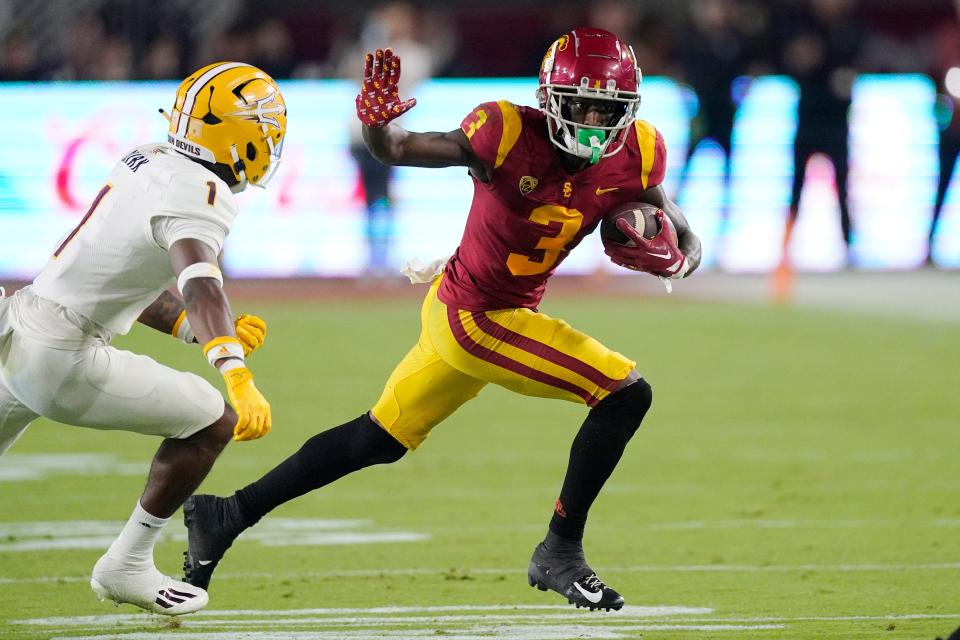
(160, 219)
(542, 179)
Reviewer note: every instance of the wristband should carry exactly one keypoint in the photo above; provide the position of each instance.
(223, 347)
(182, 329)
(199, 270)
(230, 364)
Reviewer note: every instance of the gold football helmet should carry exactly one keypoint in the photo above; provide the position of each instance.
(231, 113)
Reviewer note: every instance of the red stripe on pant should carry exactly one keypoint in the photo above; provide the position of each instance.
(544, 351)
(487, 355)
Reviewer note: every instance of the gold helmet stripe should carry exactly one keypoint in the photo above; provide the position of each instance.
(197, 86)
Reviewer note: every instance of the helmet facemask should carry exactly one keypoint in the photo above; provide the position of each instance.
(591, 142)
(268, 119)
(276, 150)
(239, 166)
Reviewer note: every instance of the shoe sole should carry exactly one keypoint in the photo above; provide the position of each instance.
(103, 594)
(101, 591)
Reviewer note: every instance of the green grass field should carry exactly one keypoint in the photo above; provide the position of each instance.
(797, 477)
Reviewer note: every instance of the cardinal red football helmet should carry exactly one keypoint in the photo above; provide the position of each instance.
(596, 65)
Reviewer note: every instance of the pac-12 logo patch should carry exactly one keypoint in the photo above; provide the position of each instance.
(528, 184)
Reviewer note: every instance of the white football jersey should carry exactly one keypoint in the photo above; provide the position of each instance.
(115, 262)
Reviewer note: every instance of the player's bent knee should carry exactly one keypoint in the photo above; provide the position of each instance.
(626, 407)
(220, 432)
(380, 445)
(361, 443)
(226, 424)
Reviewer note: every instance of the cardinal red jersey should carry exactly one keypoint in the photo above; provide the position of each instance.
(532, 212)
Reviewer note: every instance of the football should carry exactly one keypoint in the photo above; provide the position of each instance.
(640, 215)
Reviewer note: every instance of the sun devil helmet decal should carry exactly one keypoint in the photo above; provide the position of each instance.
(262, 114)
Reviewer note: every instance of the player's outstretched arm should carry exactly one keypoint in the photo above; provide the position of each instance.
(687, 240)
(208, 310)
(379, 103)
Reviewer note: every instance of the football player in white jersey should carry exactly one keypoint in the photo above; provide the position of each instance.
(160, 219)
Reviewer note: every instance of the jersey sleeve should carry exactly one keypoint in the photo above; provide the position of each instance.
(653, 154)
(493, 129)
(167, 230)
(199, 196)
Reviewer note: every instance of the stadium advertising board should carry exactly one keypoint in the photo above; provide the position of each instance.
(311, 220)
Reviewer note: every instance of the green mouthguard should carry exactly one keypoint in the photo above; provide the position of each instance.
(593, 138)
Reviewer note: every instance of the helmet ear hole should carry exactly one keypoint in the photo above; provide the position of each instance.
(251, 152)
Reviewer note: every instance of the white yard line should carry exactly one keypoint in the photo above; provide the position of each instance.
(706, 568)
(628, 612)
(566, 632)
(397, 616)
(44, 579)
(463, 622)
(19, 537)
(787, 568)
(891, 616)
(456, 622)
(20, 467)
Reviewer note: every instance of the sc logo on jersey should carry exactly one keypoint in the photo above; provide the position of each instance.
(528, 184)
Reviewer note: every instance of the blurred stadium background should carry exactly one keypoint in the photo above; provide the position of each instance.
(867, 89)
(797, 477)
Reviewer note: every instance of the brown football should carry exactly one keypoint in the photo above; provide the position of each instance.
(640, 215)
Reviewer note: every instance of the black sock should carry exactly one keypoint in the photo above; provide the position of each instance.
(322, 459)
(594, 454)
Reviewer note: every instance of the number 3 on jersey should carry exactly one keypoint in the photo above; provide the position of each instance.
(570, 222)
(481, 120)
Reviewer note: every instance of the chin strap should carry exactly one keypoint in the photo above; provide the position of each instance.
(240, 168)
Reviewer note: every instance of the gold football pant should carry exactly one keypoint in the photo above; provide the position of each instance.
(459, 352)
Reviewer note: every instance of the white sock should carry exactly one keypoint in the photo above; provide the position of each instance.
(135, 543)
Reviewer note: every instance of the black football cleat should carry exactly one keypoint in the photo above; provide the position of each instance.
(559, 565)
(212, 526)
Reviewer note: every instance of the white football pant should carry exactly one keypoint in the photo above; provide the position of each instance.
(80, 380)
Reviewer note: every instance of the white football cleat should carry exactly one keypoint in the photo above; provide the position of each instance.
(144, 586)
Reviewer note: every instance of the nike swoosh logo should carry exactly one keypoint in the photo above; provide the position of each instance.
(658, 255)
(600, 191)
(204, 563)
(589, 595)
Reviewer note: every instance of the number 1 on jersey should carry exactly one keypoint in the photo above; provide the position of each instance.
(212, 193)
(83, 221)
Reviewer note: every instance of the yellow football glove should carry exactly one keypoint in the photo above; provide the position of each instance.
(251, 331)
(253, 410)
